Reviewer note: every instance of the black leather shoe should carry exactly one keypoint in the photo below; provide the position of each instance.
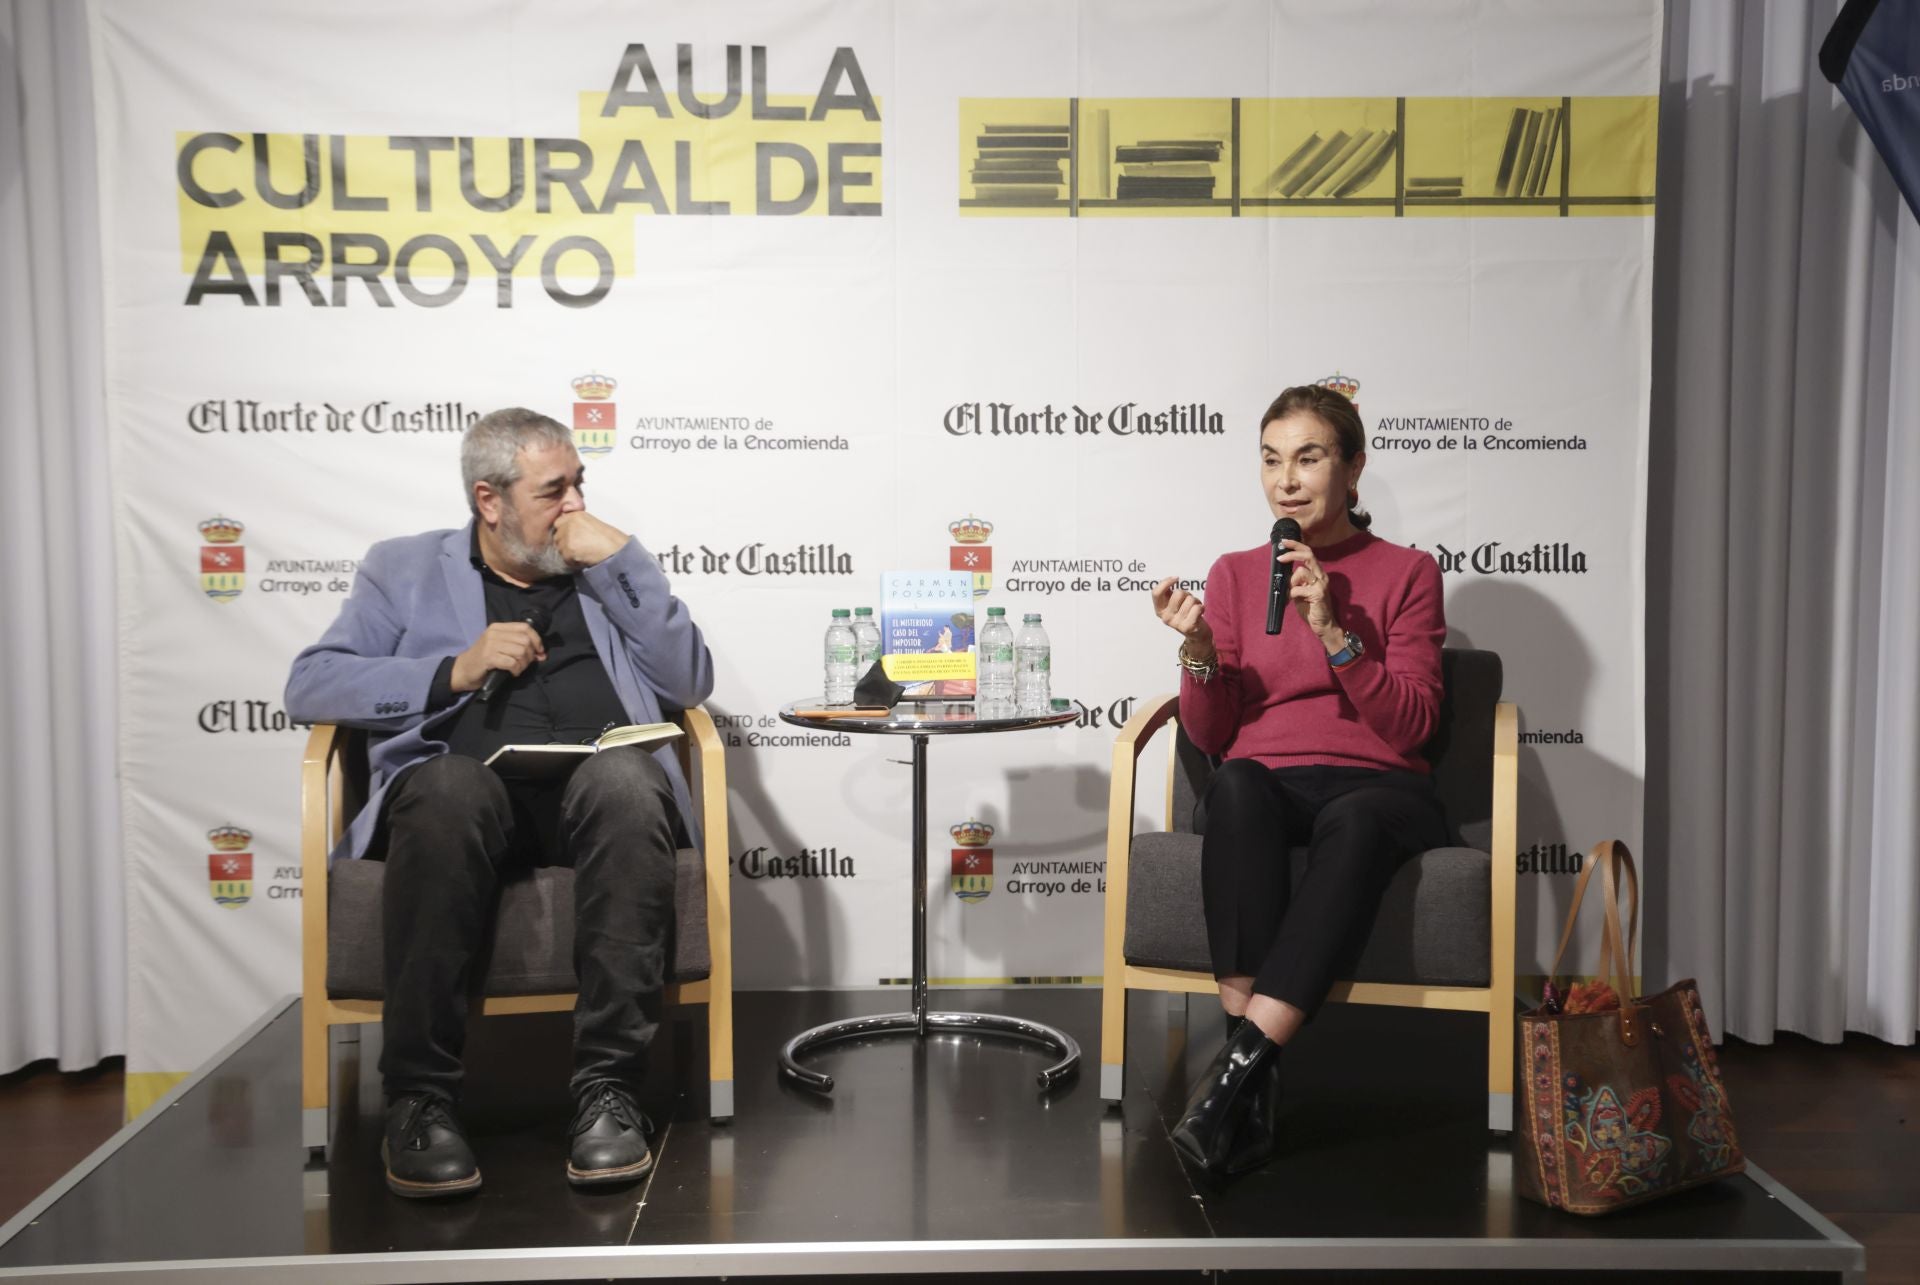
(425, 1150)
(1208, 1127)
(609, 1138)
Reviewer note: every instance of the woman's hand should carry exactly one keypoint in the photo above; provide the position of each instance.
(1312, 595)
(1185, 614)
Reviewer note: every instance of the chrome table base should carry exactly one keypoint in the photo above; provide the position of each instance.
(920, 1025)
(919, 1022)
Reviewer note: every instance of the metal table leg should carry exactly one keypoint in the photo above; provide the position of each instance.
(919, 1021)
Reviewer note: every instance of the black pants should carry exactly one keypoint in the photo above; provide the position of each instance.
(1295, 939)
(452, 831)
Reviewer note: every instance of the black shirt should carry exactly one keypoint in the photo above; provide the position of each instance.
(566, 697)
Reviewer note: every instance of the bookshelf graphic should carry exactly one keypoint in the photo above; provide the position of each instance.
(1315, 157)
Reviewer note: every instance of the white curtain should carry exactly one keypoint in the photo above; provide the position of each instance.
(62, 933)
(1784, 541)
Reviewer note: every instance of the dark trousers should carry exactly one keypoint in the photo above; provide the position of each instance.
(453, 830)
(1296, 938)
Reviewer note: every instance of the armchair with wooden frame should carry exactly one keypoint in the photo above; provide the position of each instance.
(1444, 937)
(528, 967)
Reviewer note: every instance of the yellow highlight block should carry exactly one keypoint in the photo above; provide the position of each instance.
(144, 1088)
(454, 206)
(1308, 157)
(929, 667)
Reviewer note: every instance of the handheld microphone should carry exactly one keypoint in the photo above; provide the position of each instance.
(497, 678)
(1284, 529)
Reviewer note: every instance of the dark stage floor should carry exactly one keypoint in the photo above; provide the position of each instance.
(937, 1157)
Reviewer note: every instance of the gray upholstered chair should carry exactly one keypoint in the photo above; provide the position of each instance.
(1445, 934)
(529, 967)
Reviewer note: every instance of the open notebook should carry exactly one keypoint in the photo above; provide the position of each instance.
(551, 762)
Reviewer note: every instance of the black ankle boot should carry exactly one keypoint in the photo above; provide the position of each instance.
(425, 1150)
(1208, 1127)
(1258, 1136)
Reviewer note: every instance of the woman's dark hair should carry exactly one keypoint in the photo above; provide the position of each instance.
(1338, 414)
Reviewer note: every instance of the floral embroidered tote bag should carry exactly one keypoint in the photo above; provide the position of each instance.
(1622, 1092)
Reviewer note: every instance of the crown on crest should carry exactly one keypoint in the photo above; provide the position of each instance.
(229, 838)
(1346, 385)
(971, 834)
(595, 388)
(221, 530)
(970, 530)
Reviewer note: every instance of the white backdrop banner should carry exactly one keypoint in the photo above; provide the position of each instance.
(837, 288)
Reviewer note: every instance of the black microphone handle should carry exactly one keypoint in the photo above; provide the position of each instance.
(1282, 580)
(497, 678)
(1277, 593)
(492, 683)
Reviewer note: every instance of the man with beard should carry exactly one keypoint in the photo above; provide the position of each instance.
(430, 615)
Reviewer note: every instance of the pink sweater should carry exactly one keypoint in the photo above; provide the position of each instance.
(1279, 701)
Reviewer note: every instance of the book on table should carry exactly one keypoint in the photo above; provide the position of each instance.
(554, 760)
(926, 633)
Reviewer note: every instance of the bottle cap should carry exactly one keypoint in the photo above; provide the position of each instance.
(1060, 704)
(1032, 618)
(839, 613)
(996, 611)
(863, 611)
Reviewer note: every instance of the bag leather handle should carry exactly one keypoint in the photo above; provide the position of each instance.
(1613, 860)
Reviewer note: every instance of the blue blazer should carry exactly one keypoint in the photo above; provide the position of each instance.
(418, 600)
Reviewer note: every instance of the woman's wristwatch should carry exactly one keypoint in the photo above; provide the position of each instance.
(1348, 654)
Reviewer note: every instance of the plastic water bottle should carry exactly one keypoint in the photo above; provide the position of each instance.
(1032, 667)
(866, 638)
(996, 662)
(840, 659)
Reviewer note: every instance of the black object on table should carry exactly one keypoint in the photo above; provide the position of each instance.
(921, 722)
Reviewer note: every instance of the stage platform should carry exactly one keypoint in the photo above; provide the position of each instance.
(940, 1158)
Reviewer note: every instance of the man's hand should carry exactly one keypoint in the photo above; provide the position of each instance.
(511, 647)
(586, 541)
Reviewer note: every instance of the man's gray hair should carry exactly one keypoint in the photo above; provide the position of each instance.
(490, 452)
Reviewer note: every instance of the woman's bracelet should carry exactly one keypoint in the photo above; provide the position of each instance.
(1200, 669)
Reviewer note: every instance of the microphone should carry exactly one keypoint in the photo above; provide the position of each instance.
(1284, 529)
(497, 678)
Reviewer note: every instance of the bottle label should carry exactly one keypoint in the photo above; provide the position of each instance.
(1002, 655)
(840, 655)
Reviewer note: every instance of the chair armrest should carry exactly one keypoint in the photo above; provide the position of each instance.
(1148, 719)
(1504, 923)
(1151, 717)
(704, 759)
(322, 781)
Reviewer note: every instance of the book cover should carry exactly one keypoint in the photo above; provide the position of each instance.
(1336, 168)
(1169, 150)
(1524, 161)
(1132, 188)
(1515, 128)
(1317, 162)
(1550, 143)
(928, 614)
(1370, 163)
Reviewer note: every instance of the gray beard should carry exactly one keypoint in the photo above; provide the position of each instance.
(545, 559)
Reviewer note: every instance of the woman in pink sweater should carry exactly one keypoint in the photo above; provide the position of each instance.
(1320, 726)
